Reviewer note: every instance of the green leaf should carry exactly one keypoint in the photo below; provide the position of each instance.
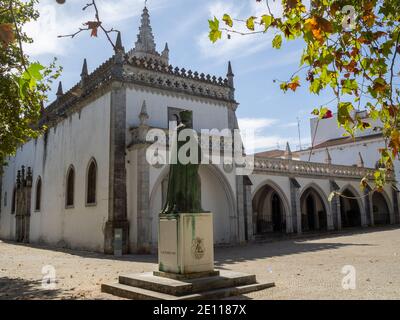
(343, 115)
(266, 20)
(250, 23)
(215, 33)
(228, 20)
(34, 69)
(277, 41)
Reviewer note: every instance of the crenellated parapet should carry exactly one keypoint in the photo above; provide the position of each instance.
(67, 102)
(152, 73)
(143, 66)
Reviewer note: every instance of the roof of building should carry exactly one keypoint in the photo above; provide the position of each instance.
(344, 140)
(270, 154)
(276, 153)
(145, 66)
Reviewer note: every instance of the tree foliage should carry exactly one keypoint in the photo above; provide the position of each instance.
(23, 83)
(351, 48)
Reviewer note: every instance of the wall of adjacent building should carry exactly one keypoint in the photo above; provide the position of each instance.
(74, 141)
(347, 154)
(328, 129)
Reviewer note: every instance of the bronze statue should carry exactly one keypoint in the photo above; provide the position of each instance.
(184, 189)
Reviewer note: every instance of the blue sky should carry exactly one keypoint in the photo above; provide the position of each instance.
(183, 24)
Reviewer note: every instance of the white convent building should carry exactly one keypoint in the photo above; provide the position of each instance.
(86, 181)
(333, 146)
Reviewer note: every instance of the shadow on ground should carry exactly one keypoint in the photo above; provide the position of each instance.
(271, 247)
(276, 249)
(21, 289)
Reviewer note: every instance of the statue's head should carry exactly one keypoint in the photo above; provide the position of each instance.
(186, 118)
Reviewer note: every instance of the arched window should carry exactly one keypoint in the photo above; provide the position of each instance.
(70, 187)
(91, 184)
(38, 194)
(14, 199)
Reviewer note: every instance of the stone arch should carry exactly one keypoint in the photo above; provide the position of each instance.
(14, 200)
(271, 210)
(70, 187)
(314, 207)
(225, 229)
(351, 210)
(91, 182)
(381, 208)
(38, 193)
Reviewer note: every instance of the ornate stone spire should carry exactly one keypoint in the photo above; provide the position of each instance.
(288, 153)
(145, 46)
(328, 158)
(59, 90)
(145, 39)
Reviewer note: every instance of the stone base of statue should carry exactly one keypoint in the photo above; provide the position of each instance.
(186, 243)
(186, 266)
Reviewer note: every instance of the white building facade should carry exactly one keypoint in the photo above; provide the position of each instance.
(86, 183)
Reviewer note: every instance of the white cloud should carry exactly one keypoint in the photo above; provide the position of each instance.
(263, 142)
(64, 19)
(284, 60)
(239, 45)
(289, 125)
(255, 124)
(256, 136)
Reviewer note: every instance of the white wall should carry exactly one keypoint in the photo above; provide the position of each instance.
(205, 115)
(347, 154)
(73, 141)
(217, 196)
(328, 128)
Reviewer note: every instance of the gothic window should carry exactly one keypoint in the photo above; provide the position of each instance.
(91, 183)
(38, 194)
(70, 187)
(5, 199)
(173, 115)
(14, 199)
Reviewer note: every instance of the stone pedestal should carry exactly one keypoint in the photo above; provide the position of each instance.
(186, 244)
(186, 266)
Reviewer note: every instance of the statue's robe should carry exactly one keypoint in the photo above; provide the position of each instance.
(184, 187)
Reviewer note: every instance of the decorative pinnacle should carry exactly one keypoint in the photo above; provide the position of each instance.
(59, 90)
(84, 72)
(288, 153)
(118, 43)
(328, 158)
(230, 73)
(143, 116)
(360, 160)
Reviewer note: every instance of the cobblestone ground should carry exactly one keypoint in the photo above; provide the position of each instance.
(301, 268)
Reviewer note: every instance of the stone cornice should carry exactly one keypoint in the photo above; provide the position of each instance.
(152, 73)
(144, 72)
(71, 101)
(304, 168)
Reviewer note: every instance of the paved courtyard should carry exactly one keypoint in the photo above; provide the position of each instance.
(301, 268)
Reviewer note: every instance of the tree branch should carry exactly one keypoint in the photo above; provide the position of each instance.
(99, 25)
